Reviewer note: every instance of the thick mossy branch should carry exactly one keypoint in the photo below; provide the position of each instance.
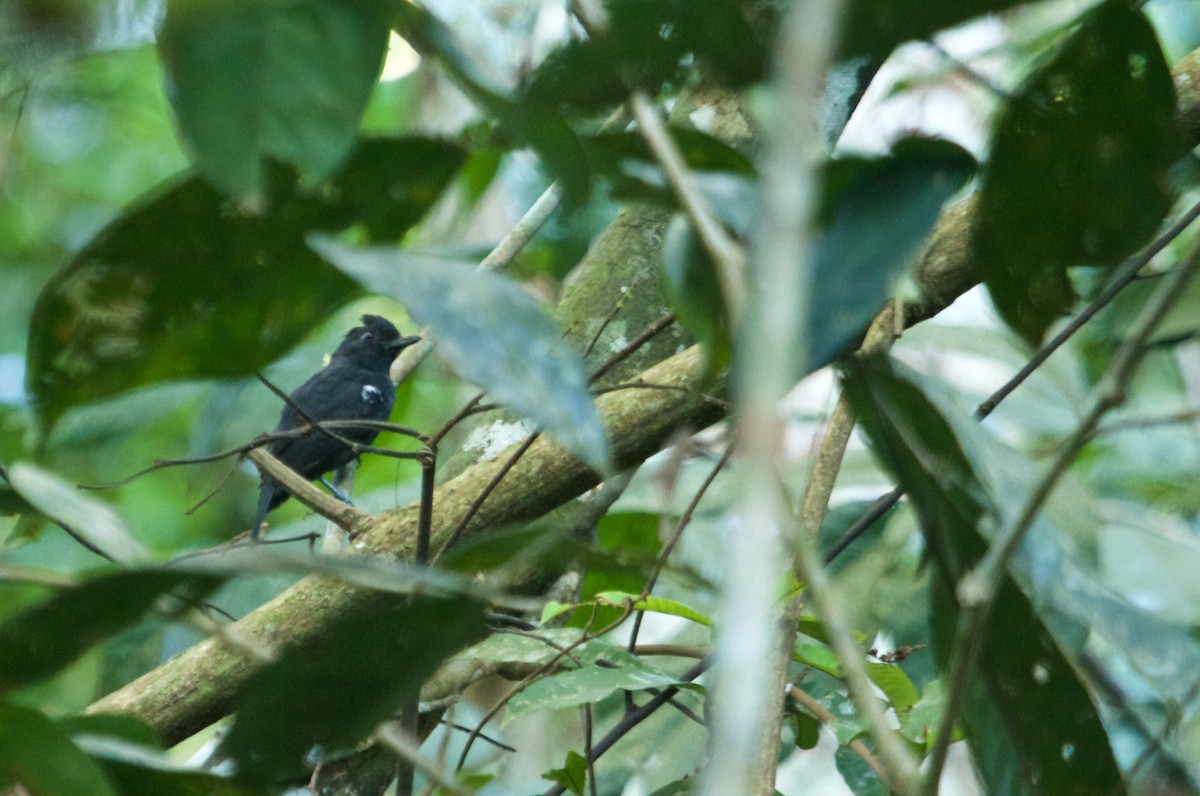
(198, 686)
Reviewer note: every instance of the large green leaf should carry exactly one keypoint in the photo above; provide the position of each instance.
(589, 684)
(44, 639)
(335, 695)
(876, 213)
(39, 756)
(253, 80)
(495, 334)
(185, 286)
(1032, 724)
(1077, 173)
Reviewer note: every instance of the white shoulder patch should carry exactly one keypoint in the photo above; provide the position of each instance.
(370, 393)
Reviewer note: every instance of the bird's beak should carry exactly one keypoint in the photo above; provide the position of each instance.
(403, 343)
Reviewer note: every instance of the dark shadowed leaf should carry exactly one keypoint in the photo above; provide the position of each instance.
(286, 81)
(39, 756)
(806, 729)
(642, 45)
(42, 640)
(876, 213)
(494, 334)
(1029, 717)
(875, 27)
(336, 694)
(1074, 177)
(225, 293)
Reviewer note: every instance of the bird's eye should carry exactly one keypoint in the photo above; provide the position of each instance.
(368, 337)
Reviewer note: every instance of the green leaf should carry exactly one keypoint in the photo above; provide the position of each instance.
(541, 648)
(535, 545)
(920, 724)
(38, 756)
(858, 776)
(681, 787)
(92, 519)
(818, 657)
(1027, 704)
(287, 81)
(240, 290)
(894, 683)
(1074, 177)
(44, 639)
(815, 628)
(877, 212)
(656, 605)
(572, 776)
(494, 334)
(588, 684)
(806, 728)
(628, 549)
(336, 695)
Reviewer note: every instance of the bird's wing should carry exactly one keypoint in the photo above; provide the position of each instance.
(333, 394)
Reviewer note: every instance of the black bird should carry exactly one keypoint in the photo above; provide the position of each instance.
(353, 386)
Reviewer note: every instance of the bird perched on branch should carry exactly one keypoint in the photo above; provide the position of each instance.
(354, 386)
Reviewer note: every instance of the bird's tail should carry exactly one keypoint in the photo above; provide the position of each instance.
(266, 502)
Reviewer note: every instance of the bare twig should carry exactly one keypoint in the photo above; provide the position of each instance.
(633, 345)
(728, 256)
(684, 520)
(473, 509)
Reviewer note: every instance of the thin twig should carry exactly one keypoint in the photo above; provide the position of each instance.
(728, 256)
(267, 439)
(477, 503)
(684, 520)
(633, 345)
(1127, 274)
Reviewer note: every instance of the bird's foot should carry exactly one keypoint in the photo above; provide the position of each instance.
(337, 493)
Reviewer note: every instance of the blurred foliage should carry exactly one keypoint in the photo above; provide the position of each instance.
(191, 192)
